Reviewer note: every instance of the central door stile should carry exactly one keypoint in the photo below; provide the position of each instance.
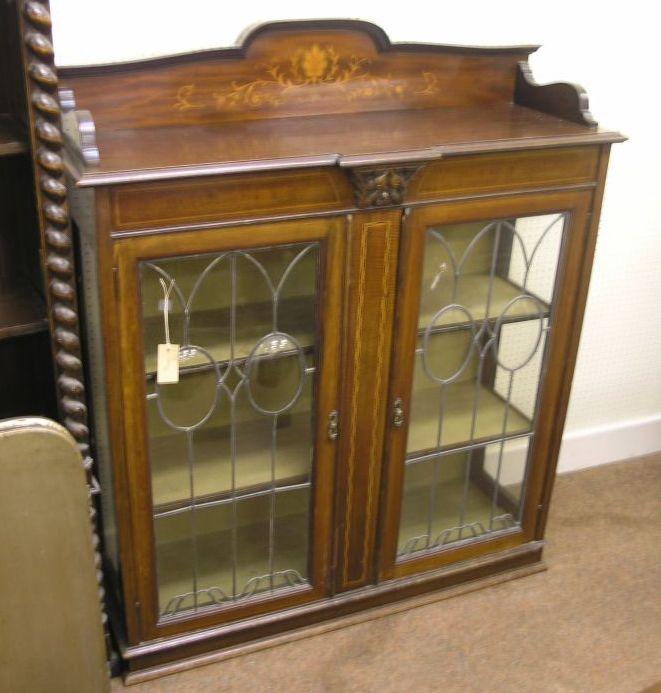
(372, 252)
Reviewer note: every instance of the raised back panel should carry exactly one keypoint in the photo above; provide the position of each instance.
(294, 68)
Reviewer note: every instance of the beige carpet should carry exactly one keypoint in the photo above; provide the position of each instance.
(592, 622)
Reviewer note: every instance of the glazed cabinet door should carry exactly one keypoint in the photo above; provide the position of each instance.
(229, 467)
(483, 348)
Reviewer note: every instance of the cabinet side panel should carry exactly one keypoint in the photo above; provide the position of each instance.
(82, 212)
(372, 264)
(580, 299)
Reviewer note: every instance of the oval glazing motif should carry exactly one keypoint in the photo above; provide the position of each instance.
(188, 404)
(530, 336)
(275, 373)
(439, 319)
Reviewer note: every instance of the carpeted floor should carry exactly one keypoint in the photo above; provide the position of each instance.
(592, 622)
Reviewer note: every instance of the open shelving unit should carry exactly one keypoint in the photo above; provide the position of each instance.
(12, 140)
(25, 359)
(22, 311)
(22, 308)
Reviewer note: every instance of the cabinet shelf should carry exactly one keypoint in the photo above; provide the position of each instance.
(214, 500)
(472, 293)
(210, 330)
(212, 473)
(22, 311)
(12, 140)
(457, 419)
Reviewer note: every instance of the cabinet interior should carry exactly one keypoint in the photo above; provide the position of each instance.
(228, 556)
(231, 443)
(478, 289)
(483, 320)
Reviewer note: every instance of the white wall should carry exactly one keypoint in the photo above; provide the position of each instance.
(615, 409)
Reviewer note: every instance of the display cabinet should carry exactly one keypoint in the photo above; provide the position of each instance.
(333, 290)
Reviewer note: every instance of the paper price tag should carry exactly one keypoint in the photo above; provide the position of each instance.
(167, 369)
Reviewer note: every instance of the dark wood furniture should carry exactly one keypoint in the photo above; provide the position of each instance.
(370, 261)
(25, 365)
(41, 369)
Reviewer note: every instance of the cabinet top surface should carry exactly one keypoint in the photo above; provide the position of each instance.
(313, 93)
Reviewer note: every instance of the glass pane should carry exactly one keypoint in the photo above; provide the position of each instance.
(231, 443)
(195, 551)
(462, 495)
(485, 309)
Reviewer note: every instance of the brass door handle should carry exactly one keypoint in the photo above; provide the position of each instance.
(398, 413)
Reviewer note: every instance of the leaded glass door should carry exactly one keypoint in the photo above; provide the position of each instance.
(232, 456)
(470, 411)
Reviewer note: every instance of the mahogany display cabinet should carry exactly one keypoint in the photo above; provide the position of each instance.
(333, 290)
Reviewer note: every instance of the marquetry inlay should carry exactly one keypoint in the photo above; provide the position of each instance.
(281, 81)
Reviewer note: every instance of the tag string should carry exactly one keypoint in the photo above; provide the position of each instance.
(166, 307)
(442, 268)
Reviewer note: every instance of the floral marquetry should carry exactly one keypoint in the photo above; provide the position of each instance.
(283, 81)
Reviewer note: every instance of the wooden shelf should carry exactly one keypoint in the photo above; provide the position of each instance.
(457, 419)
(472, 295)
(212, 478)
(22, 311)
(472, 292)
(11, 139)
(212, 475)
(210, 330)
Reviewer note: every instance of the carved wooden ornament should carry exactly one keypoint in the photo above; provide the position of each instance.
(381, 187)
(56, 237)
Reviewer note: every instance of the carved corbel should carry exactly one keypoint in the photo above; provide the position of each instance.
(383, 186)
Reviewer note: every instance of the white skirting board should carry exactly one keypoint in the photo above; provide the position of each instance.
(589, 447)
